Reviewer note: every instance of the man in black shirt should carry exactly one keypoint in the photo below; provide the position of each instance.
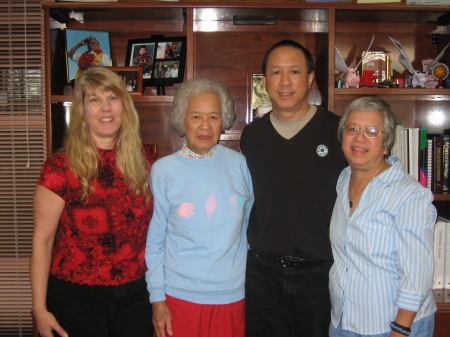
(295, 158)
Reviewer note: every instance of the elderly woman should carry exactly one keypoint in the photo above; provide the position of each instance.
(381, 234)
(196, 245)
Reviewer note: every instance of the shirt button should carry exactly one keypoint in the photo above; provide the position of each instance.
(346, 269)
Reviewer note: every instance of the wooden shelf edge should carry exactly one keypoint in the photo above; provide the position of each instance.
(390, 91)
(443, 306)
(230, 4)
(442, 197)
(137, 99)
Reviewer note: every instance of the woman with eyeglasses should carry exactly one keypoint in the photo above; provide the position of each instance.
(381, 234)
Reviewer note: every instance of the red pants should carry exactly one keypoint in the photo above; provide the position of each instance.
(206, 320)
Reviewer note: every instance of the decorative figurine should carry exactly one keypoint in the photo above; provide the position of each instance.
(351, 77)
(369, 78)
(416, 78)
(439, 71)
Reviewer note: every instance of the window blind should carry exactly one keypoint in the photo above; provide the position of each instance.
(22, 152)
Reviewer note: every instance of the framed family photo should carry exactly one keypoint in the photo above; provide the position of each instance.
(161, 58)
(86, 49)
(131, 77)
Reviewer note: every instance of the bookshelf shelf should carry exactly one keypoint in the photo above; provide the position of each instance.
(445, 93)
(442, 197)
(137, 99)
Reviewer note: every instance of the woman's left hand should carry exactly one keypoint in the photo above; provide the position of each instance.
(162, 319)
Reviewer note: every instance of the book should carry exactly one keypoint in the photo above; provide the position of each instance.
(445, 163)
(437, 157)
(397, 149)
(446, 295)
(405, 151)
(446, 253)
(439, 250)
(423, 157)
(438, 295)
(429, 163)
(413, 152)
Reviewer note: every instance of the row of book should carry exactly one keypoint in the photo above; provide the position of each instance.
(424, 156)
(441, 275)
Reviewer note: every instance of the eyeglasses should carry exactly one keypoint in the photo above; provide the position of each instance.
(370, 131)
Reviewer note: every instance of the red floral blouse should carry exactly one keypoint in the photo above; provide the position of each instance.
(101, 242)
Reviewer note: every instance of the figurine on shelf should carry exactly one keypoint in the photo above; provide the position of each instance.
(440, 85)
(351, 77)
(440, 73)
(369, 78)
(416, 78)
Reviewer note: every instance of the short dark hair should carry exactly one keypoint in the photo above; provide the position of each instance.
(143, 46)
(293, 44)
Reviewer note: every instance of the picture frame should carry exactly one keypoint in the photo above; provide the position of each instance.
(131, 77)
(85, 49)
(260, 100)
(141, 53)
(166, 54)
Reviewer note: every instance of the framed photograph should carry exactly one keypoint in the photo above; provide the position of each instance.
(131, 77)
(141, 53)
(161, 58)
(86, 49)
(260, 100)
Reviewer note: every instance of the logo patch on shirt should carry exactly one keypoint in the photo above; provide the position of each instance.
(322, 150)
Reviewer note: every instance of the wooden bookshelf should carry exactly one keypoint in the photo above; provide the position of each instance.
(231, 53)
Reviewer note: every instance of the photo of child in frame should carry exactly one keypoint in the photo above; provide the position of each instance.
(142, 56)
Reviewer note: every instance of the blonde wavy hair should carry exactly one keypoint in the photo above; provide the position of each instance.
(79, 146)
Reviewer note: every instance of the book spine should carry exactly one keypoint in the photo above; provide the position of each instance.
(423, 157)
(445, 163)
(413, 152)
(437, 165)
(429, 163)
(439, 237)
(447, 256)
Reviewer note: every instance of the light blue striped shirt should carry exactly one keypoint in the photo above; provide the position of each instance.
(383, 253)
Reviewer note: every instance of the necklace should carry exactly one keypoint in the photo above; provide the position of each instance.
(350, 202)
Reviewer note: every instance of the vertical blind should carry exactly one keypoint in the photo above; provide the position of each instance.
(22, 152)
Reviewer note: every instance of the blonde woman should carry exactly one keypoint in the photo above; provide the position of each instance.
(93, 196)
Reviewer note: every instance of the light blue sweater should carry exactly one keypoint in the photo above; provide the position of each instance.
(196, 244)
